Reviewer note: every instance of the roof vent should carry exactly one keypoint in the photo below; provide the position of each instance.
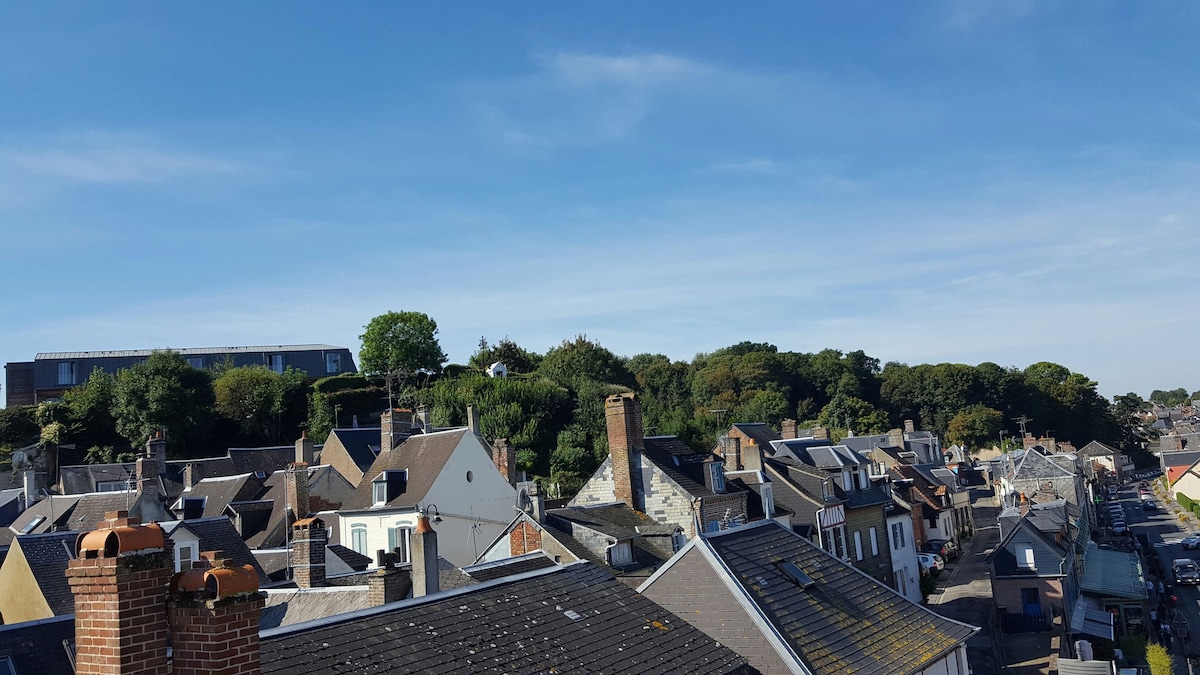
(797, 575)
(573, 615)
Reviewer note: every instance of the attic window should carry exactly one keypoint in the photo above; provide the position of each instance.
(797, 575)
(261, 475)
(388, 485)
(622, 553)
(1025, 559)
(717, 473)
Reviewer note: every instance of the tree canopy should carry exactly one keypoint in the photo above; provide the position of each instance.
(405, 341)
(163, 392)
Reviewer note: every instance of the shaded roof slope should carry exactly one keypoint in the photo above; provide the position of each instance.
(575, 618)
(48, 555)
(682, 464)
(37, 647)
(422, 455)
(846, 622)
(218, 534)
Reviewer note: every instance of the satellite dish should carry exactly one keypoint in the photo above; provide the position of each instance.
(19, 460)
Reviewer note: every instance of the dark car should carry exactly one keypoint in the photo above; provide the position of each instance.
(943, 547)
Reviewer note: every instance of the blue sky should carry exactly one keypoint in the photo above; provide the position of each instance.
(933, 181)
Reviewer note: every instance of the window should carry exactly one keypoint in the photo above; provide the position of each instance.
(622, 553)
(856, 481)
(66, 372)
(768, 500)
(184, 557)
(858, 545)
(333, 362)
(678, 541)
(398, 539)
(898, 535)
(196, 362)
(1025, 557)
(358, 538)
(112, 486)
(717, 472)
(32, 525)
(874, 542)
(275, 363)
(379, 492)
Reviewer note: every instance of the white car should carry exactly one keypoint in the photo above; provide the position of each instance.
(1119, 527)
(1191, 541)
(932, 562)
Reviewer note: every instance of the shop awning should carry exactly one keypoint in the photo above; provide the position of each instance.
(1089, 618)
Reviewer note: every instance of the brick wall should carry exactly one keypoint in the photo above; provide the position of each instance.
(120, 614)
(524, 538)
(1006, 593)
(216, 637)
(623, 418)
(309, 538)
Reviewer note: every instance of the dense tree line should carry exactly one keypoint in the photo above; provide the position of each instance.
(551, 407)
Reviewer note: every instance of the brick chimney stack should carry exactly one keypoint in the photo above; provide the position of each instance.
(296, 488)
(309, 537)
(395, 425)
(213, 611)
(156, 448)
(505, 458)
(909, 426)
(424, 558)
(820, 433)
(789, 429)
(305, 450)
(623, 415)
(733, 453)
(387, 584)
(119, 580)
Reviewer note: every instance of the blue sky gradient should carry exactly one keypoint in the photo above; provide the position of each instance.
(933, 181)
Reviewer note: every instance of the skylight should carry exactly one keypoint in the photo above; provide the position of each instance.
(797, 575)
(32, 525)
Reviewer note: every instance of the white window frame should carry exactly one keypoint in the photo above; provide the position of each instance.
(874, 542)
(717, 473)
(400, 537)
(858, 545)
(357, 531)
(180, 551)
(622, 553)
(1026, 560)
(376, 487)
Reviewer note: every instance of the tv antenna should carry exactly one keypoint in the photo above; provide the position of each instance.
(1021, 421)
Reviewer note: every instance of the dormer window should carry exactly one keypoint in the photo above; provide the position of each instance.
(768, 500)
(717, 474)
(388, 485)
(622, 553)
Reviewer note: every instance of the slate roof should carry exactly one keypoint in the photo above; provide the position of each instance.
(823, 456)
(682, 464)
(925, 489)
(1035, 465)
(575, 618)
(357, 561)
(266, 459)
(218, 534)
(1048, 553)
(74, 512)
(1098, 449)
(48, 555)
(219, 492)
(37, 647)
(846, 622)
(508, 567)
(423, 455)
(760, 432)
(1112, 574)
(187, 351)
(651, 541)
(285, 607)
(361, 444)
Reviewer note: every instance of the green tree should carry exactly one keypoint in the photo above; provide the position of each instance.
(1159, 659)
(163, 392)
(512, 355)
(584, 360)
(1173, 397)
(266, 406)
(848, 412)
(975, 426)
(91, 422)
(404, 341)
(1125, 406)
(18, 426)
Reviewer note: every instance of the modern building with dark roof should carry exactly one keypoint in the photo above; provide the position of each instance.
(48, 375)
(788, 606)
(575, 618)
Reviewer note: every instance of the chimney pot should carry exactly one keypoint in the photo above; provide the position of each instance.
(424, 558)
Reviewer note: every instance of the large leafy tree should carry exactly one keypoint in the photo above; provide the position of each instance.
(1173, 397)
(92, 425)
(18, 426)
(512, 355)
(400, 341)
(974, 426)
(580, 360)
(163, 392)
(266, 406)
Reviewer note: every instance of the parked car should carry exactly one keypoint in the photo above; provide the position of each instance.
(1185, 571)
(943, 547)
(932, 562)
(1191, 541)
(1150, 505)
(1119, 527)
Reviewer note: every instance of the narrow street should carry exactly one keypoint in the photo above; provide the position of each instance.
(964, 590)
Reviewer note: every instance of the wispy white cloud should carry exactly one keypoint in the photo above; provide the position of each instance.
(635, 70)
(755, 165)
(974, 14)
(108, 158)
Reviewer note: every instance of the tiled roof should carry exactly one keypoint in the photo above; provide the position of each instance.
(1036, 465)
(268, 460)
(575, 618)
(289, 606)
(422, 455)
(924, 488)
(1113, 574)
(357, 561)
(219, 492)
(846, 622)
(37, 647)
(651, 540)
(760, 432)
(48, 555)
(822, 456)
(682, 464)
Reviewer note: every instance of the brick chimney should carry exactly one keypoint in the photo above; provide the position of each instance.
(505, 457)
(424, 558)
(305, 450)
(156, 448)
(296, 488)
(524, 538)
(820, 433)
(909, 427)
(119, 579)
(149, 504)
(623, 415)
(395, 425)
(213, 611)
(789, 429)
(473, 420)
(309, 537)
(189, 476)
(387, 584)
